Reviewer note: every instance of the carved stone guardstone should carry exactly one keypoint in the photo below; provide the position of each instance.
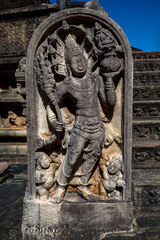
(79, 115)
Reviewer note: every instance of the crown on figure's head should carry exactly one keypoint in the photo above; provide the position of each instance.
(71, 47)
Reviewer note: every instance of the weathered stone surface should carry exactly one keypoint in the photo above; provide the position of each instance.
(146, 112)
(149, 93)
(146, 155)
(15, 35)
(149, 110)
(145, 55)
(13, 150)
(146, 130)
(11, 208)
(140, 235)
(147, 65)
(146, 79)
(75, 220)
(146, 189)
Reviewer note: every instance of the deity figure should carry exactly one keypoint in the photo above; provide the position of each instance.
(88, 134)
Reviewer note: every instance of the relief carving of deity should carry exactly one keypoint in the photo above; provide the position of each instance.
(79, 134)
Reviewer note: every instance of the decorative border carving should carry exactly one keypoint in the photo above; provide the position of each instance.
(147, 65)
(142, 79)
(16, 34)
(145, 55)
(144, 157)
(146, 131)
(148, 93)
(147, 196)
(146, 110)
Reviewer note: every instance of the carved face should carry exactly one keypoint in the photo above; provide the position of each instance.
(113, 167)
(104, 40)
(44, 162)
(78, 65)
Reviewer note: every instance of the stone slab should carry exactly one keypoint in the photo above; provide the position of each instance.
(44, 220)
(75, 220)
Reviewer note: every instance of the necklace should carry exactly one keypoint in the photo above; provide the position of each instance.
(81, 84)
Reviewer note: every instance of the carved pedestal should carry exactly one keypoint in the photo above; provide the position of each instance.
(79, 108)
(74, 221)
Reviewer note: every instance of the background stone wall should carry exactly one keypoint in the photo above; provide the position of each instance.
(9, 4)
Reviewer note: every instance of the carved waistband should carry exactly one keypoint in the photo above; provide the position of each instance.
(87, 112)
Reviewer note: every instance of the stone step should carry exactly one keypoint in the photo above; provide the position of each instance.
(7, 96)
(147, 144)
(148, 130)
(146, 79)
(13, 133)
(144, 55)
(147, 65)
(149, 223)
(146, 93)
(143, 177)
(12, 150)
(146, 110)
(146, 185)
(138, 235)
(146, 155)
(146, 122)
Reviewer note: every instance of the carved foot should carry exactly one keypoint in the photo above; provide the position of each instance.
(58, 196)
(86, 194)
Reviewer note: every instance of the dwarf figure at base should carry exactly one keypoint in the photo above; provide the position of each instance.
(112, 174)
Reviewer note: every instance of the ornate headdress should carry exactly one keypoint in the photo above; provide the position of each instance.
(71, 47)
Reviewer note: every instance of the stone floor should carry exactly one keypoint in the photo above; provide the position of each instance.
(11, 202)
(146, 223)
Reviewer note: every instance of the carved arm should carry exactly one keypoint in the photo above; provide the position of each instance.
(107, 91)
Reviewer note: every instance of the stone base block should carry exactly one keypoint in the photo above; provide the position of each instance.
(74, 221)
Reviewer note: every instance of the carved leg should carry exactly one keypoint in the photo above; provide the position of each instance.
(42, 192)
(84, 191)
(88, 167)
(59, 194)
(75, 148)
